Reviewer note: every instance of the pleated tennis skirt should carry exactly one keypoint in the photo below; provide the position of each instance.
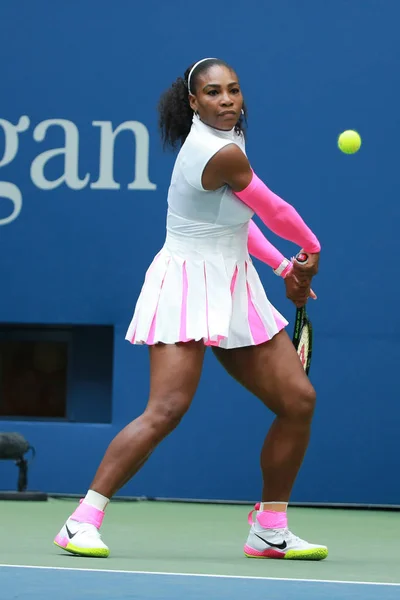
(204, 289)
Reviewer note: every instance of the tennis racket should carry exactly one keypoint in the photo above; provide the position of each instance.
(303, 334)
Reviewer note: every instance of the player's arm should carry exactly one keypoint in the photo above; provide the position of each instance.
(230, 166)
(261, 248)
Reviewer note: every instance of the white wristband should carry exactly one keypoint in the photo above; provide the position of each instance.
(279, 270)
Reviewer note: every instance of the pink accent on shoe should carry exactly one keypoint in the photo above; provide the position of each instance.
(88, 514)
(250, 515)
(61, 541)
(268, 553)
(271, 519)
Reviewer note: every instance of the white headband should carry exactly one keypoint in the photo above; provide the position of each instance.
(193, 68)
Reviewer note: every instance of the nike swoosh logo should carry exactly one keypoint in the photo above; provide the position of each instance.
(281, 546)
(70, 534)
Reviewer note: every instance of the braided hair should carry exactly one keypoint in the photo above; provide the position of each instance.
(175, 112)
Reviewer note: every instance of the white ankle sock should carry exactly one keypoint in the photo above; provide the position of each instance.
(267, 505)
(97, 500)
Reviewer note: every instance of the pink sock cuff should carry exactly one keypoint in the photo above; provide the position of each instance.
(271, 519)
(85, 513)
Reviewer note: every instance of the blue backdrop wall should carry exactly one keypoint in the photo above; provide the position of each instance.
(83, 184)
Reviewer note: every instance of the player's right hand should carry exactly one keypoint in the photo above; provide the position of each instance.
(298, 291)
(305, 272)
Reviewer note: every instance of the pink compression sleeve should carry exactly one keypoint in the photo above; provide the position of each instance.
(279, 216)
(261, 248)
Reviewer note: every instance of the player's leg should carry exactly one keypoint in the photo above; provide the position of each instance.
(272, 372)
(174, 375)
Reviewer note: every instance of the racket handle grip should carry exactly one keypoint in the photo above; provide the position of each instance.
(301, 258)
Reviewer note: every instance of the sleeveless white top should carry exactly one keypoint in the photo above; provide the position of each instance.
(202, 284)
(192, 210)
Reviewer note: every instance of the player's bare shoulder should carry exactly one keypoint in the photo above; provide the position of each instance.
(229, 166)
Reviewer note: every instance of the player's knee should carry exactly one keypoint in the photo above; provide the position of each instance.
(302, 404)
(166, 415)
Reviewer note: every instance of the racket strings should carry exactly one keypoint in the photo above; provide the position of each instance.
(304, 345)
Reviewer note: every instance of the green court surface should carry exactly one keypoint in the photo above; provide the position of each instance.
(205, 539)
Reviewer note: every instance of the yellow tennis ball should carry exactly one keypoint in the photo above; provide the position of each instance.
(349, 141)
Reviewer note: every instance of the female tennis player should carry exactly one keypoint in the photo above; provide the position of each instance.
(202, 290)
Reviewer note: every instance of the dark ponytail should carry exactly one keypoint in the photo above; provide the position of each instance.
(175, 113)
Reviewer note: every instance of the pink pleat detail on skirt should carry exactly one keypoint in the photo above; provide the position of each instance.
(214, 298)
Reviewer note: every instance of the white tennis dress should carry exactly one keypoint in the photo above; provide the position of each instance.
(202, 285)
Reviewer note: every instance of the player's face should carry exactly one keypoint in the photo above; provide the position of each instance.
(218, 99)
